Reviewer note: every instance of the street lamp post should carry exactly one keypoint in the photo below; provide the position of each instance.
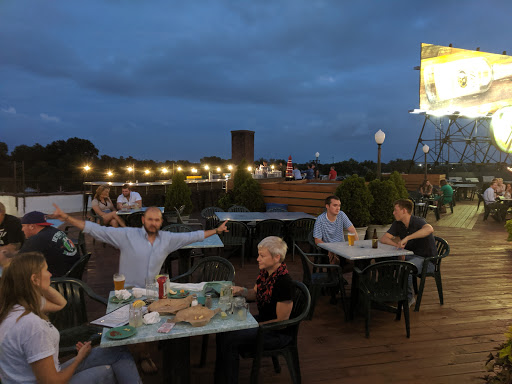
(317, 155)
(379, 139)
(426, 148)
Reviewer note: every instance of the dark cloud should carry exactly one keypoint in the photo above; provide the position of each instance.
(305, 75)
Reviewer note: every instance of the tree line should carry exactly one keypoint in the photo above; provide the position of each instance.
(59, 166)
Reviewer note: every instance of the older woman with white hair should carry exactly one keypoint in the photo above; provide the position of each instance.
(273, 293)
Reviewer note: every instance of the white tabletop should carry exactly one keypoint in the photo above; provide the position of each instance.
(260, 216)
(362, 249)
(143, 209)
(210, 242)
(148, 333)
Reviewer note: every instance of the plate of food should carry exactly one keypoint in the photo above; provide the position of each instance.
(178, 294)
(116, 300)
(122, 332)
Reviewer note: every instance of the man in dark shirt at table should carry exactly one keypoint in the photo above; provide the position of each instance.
(414, 234)
(59, 251)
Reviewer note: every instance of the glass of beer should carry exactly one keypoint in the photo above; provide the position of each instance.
(118, 281)
(351, 239)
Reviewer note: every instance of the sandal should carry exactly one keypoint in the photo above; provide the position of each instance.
(147, 365)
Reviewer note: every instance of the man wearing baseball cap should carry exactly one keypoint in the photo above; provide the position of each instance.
(57, 248)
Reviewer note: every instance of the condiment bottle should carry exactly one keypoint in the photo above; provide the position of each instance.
(161, 287)
(375, 239)
(208, 301)
(194, 301)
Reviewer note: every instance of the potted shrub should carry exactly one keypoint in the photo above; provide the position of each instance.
(399, 182)
(499, 365)
(384, 195)
(246, 191)
(178, 194)
(356, 200)
(508, 225)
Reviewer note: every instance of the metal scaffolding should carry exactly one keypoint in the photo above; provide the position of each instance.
(457, 140)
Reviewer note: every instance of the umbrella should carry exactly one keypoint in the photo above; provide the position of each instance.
(289, 169)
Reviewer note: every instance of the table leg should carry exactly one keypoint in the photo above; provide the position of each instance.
(354, 294)
(176, 360)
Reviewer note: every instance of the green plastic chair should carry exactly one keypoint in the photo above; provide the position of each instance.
(77, 270)
(72, 321)
(301, 304)
(265, 228)
(443, 250)
(319, 276)
(238, 208)
(237, 235)
(385, 282)
(208, 269)
(298, 230)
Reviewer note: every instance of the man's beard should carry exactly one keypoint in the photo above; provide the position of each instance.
(150, 232)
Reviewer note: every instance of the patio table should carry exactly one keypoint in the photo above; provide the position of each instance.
(361, 253)
(461, 187)
(260, 216)
(143, 209)
(176, 343)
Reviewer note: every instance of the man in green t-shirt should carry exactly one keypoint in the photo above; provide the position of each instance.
(446, 195)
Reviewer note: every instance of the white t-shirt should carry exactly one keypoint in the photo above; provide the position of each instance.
(134, 196)
(23, 342)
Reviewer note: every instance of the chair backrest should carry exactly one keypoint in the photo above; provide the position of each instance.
(210, 211)
(300, 228)
(238, 208)
(277, 209)
(237, 234)
(316, 248)
(415, 196)
(307, 266)
(177, 228)
(443, 250)
(75, 312)
(80, 245)
(77, 270)
(135, 219)
(300, 309)
(212, 268)
(269, 227)
(387, 280)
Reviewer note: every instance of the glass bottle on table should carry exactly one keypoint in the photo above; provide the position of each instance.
(375, 239)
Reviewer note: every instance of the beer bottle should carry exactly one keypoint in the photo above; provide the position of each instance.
(375, 239)
(446, 80)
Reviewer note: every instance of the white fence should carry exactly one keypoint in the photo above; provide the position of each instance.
(18, 205)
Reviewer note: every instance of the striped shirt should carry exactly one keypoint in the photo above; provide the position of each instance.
(331, 232)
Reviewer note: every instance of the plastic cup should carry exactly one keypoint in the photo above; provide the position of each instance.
(351, 239)
(119, 281)
(241, 312)
(135, 317)
(151, 289)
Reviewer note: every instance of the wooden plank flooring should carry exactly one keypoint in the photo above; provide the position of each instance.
(448, 344)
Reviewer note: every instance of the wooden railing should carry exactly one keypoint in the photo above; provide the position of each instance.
(299, 196)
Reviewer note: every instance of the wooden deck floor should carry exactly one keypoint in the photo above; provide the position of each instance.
(448, 343)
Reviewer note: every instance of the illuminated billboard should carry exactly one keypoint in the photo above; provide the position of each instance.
(472, 83)
(469, 84)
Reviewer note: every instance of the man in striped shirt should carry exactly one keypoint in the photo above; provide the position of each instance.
(330, 224)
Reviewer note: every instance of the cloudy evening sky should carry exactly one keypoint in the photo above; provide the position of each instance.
(169, 80)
